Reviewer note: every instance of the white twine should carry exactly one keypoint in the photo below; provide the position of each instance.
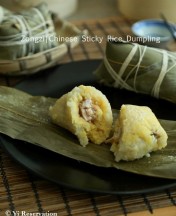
(23, 29)
(137, 66)
(31, 46)
(41, 17)
(45, 32)
(126, 63)
(157, 85)
(119, 82)
(115, 76)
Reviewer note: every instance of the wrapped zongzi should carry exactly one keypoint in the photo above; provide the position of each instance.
(27, 32)
(140, 69)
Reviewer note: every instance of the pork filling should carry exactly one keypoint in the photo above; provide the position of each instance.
(87, 110)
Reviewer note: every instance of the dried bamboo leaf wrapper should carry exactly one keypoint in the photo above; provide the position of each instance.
(140, 69)
(28, 120)
(26, 33)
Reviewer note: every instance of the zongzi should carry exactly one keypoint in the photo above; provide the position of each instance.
(139, 68)
(86, 112)
(27, 32)
(137, 133)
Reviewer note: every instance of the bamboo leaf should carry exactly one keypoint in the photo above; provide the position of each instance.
(25, 117)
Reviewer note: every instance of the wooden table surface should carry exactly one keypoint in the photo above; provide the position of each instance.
(21, 191)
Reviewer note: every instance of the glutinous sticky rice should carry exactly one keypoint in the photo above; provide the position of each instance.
(86, 112)
(137, 133)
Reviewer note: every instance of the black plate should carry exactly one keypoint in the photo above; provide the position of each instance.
(71, 173)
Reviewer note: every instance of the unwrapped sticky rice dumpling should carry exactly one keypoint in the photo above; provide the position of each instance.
(85, 112)
(137, 133)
